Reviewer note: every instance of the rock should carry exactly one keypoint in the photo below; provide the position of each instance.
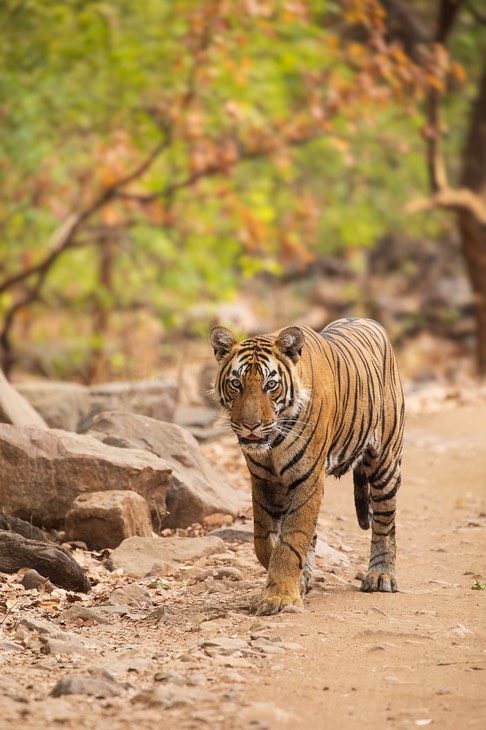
(105, 519)
(267, 646)
(172, 695)
(32, 579)
(199, 420)
(236, 533)
(138, 556)
(54, 640)
(331, 556)
(77, 614)
(44, 471)
(229, 572)
(225, 645)
(196, 489)
(153, 398)
(10, 646)
(97, 687)
(15, 409)
(50, 560)
(133, 595)
(38, 626)
(62, 405)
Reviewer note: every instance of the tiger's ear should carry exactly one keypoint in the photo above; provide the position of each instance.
(223, 340)
(290, 342)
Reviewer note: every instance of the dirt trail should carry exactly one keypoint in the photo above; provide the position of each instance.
(416, 658)
(412, 659)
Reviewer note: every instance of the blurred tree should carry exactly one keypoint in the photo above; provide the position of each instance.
(151, 152)
(468, 197)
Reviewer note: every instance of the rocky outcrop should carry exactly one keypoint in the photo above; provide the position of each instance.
(72, 406)
(105, 519)
(62, 405)
(15, 409)
(44, 471)
(196, 489)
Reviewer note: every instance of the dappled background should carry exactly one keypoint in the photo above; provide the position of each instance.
(173, 164)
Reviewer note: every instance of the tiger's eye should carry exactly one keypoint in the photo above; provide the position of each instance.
(272, 384)
(235, 383)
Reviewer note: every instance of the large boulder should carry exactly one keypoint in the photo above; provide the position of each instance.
(105, 519)
(62, 405)
(196, 488)
(15, 409)
(42, 472)
(153, 398)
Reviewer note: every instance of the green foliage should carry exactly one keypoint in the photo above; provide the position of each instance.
(279, 138)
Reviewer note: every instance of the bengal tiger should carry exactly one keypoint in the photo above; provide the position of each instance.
(305, 405)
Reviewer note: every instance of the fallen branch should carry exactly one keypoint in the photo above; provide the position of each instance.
(21, 527)
(51, 561)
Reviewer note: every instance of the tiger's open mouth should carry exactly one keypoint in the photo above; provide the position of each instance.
(254, 440)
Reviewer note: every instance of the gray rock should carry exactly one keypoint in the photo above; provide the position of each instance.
(105, 519)
(235, 533)
(15, 409)
(330, 555)
(172, 695)
(153, 398)
(80, 613)
(62, 405)
(139, 556)
(44, 471)
(225, 645)
(196, 488)
(32, 579)
(132, 595)
(96, 686)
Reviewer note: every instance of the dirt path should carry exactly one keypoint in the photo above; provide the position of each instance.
(199, 659)
(419, 657)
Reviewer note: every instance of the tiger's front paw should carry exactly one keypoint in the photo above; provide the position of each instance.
(273, 601)
(381, 579)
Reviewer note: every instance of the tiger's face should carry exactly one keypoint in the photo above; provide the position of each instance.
(257, 383)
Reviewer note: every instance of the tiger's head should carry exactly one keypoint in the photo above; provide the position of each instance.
(257, 383)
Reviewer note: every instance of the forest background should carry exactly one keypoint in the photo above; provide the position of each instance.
(159, 159)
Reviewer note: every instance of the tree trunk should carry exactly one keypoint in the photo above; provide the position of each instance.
(473, 233)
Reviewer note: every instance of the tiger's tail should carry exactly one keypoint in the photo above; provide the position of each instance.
(362, 497)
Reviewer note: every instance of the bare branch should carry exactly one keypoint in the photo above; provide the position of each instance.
(443, 196)
(64, 236)
(435, 159)
(462, 199)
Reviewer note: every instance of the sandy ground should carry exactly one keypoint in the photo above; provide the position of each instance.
(412, 659)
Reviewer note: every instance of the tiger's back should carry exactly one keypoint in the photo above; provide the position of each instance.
(305, 404)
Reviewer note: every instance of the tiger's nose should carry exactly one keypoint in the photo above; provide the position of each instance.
(251, 426)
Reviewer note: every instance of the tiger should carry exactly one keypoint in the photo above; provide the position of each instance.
(305, 405)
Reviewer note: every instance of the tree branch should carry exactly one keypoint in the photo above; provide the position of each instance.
(443, 196)
(461, 199)
(64, 235)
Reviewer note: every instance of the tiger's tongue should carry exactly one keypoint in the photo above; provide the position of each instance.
(253, 437)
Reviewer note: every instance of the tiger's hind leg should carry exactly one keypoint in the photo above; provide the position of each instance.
(384, 478)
